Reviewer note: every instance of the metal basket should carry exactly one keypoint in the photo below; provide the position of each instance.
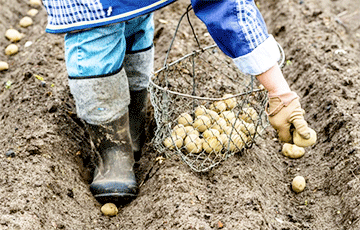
(192, 88)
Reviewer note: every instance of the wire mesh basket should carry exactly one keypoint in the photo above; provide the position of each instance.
(205, 109)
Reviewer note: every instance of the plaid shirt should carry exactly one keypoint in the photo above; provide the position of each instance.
(69, 15)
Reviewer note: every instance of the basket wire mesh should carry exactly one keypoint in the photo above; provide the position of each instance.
(205, 109)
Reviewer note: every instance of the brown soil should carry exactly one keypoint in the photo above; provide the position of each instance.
(46, 184)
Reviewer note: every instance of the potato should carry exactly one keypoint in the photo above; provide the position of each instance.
(229, 130)
(169, 142)
(231, 102)
(218, 106)
(227, 115)
(109, 209)
(35, 3)
(190, 130)
(185, 119)
(214, 116)
(249, 115)
(247, 128)
(211, 133)
(202, 123)
(236, 143)
(179, 131)
(292, 151)
(219, 125)
(13, 35)
(193, 143)
(223, 138)
(301, 142)
(298, 184)
(4, 66)
(26, 21)
(32, 12)
(200, 110)
(11, 49)
(212, 144)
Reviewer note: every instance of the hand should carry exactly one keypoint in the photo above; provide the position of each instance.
(284, 110)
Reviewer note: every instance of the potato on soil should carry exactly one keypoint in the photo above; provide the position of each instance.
(212, 144)
(200, 110)
(180, 131)
(13, 35)
(109, 209)
(249, 115)
(35, 3)
(32, 12)
(185, 119)
(26, 21)
(231, 102)
(211, 133)
(202, 123)
(193, 143)
(4, 66)
(298, 184)
(219, 125)
(301, 142)
(11, 49)
(169, 142)
(292, 151)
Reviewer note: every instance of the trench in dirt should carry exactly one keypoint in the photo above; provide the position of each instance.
(46, 185)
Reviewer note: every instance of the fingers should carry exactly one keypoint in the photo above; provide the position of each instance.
(284, 133)
(301, 125)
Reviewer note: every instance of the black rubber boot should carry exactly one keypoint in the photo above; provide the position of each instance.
(137, 114)
(114, 178)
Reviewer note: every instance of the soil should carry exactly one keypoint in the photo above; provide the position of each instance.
(46, 184)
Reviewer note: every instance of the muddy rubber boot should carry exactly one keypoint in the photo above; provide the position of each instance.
(138, 66)
(114, 179)
(137, 114)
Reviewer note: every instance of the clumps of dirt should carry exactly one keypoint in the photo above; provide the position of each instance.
(45, 185)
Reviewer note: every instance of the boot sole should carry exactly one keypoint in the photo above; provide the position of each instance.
(116, 198)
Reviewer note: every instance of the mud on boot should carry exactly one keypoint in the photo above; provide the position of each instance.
(114, 179)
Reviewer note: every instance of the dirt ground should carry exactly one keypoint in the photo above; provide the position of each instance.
(46, 184)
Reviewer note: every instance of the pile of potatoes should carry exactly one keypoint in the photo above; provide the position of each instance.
(214, 129)
(15, 36)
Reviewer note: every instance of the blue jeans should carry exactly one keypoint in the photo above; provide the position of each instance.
(101, 51)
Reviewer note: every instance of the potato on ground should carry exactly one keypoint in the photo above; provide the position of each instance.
(32, 12)
(4, 66)
(202, 123)
(109, 209)
(292, 151)
(193, 143)
(13, 35)
(298, 184)
(185, 119)
(11, 49)
(26, 21)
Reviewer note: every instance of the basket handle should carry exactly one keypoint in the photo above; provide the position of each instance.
(188, 9)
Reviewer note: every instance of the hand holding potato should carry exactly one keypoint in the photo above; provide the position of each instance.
(284, 110)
